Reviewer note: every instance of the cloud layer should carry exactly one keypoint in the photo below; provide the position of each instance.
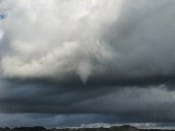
(149, 104)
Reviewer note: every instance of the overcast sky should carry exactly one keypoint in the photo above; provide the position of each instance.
(73, 62)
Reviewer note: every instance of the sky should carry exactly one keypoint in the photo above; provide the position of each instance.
(74, 62)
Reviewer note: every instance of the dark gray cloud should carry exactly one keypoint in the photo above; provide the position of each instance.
(149, 104)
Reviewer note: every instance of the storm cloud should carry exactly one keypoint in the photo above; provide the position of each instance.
(95, 39)
(65, 56)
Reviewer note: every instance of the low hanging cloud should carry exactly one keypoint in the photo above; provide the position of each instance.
(131, 104)
(95, 40)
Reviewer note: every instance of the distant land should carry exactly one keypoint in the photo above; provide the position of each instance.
(114, 128)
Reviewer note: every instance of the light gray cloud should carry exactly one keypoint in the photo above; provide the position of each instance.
(64, 38)
(95, 39)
